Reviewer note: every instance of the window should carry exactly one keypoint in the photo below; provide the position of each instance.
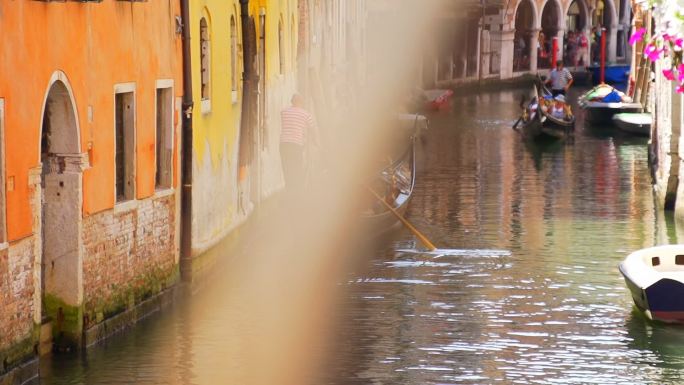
(679, 260)
(205, 59)
(164, 145)
(233, 58)
(655, 261)
(281, 58)
(3, 229)
(125, 145)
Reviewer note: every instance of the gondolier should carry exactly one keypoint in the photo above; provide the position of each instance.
(560, 79)
(298, 128)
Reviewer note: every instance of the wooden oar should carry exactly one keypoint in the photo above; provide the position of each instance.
(515, 125)
(522, 107)
(423, 239)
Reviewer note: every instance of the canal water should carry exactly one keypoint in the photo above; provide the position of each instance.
(530, 292)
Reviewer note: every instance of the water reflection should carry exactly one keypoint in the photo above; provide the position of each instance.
(531, 294)
(554, 308)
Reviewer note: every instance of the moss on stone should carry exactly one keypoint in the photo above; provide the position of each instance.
(19, 352)
(125, 297)
(67, 323)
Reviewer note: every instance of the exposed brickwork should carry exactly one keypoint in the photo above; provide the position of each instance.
(128, 255)
(16, 293)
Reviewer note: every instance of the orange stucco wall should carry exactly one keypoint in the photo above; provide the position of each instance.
(97, 45)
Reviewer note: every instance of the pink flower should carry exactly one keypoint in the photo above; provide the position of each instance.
(652, 52)
(680, 89)
(637, 36)
(679, 42)
(669, 74)
(680, 72)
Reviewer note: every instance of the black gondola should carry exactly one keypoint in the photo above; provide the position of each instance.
(395, 183)
(541, 125)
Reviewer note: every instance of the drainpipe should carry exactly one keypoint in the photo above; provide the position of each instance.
(249, 89)
(186, 160)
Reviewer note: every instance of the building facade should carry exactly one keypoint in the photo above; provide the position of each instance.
(89, 127)
(502, 40)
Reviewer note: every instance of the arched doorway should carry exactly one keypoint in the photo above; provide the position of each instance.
(550, 28)
(61, 208)
(522, 41)
(577, 34)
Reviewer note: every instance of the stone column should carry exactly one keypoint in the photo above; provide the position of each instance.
(478, 51)
(587, 33)
(35, 191)
(560, 35)
(533, 51)
(505, 40)
(611, 48)
(485, 47)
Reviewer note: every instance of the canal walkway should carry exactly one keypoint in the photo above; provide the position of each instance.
(532, 295)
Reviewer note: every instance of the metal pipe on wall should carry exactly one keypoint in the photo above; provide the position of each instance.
(187, 143)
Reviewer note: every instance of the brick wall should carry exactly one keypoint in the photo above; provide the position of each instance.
(17, 288)
(129, 254)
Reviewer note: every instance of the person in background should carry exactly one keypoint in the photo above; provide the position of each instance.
(560, 79)
(298, 126)
(541, 48)
(572, 48)
(583, 48)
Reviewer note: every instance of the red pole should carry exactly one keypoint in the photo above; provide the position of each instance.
(603, 55)
(554, 52)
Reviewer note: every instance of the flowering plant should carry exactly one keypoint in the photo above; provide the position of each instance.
(667, 40)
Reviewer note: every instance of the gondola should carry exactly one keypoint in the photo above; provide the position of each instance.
(395, 182)
(542, 125)
(600, 111)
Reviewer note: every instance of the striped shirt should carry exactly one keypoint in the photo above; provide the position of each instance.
(296, 122)
(560, 79)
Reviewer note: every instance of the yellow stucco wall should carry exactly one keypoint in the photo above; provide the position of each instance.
(222, 122)
(216, 130)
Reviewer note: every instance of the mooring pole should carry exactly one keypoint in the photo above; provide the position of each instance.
(603, 55)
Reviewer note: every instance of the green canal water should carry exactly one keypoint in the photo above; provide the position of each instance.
(530, 295)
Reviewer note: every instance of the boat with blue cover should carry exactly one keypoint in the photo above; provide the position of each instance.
(602, 102)
(616, 74)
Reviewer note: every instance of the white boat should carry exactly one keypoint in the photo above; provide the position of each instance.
(655, 277)
(634, 123)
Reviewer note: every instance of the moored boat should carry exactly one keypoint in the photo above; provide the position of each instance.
(602, 102)
(437, 99)
(616, 74)
(655, 278)
(634, 123)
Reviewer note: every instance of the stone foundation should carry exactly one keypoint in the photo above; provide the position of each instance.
(18, 332)
(129, 256)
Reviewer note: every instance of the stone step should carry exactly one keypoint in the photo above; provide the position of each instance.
(45, 345)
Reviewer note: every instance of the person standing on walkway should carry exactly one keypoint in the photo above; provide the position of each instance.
(583, 53)
(297, 126)
(560, 79)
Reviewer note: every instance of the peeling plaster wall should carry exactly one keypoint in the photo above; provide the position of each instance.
(215, 131)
